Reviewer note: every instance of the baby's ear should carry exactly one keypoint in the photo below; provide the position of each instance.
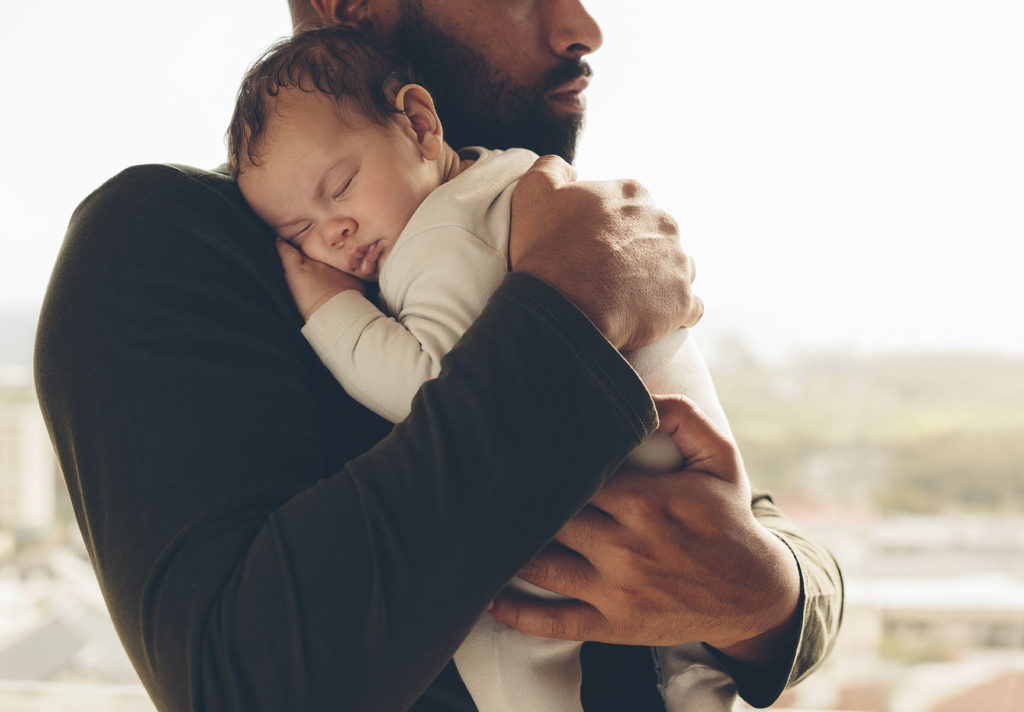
(418, 106)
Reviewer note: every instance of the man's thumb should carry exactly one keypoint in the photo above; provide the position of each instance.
(704, 445)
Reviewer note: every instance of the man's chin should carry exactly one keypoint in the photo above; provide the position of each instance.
(560, 135)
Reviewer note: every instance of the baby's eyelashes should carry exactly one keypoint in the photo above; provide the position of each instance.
(295, 237)
(338, 194)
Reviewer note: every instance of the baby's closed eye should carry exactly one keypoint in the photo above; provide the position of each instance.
(340, 192)
(295, 237)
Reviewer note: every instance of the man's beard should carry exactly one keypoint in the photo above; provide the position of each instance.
(480, 105)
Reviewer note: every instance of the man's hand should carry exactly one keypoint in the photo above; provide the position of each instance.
(664, 559)
(312, 283)
(607, 249)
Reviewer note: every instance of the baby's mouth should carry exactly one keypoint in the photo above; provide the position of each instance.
(364, 259)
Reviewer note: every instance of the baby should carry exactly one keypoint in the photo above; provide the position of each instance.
(344, 157)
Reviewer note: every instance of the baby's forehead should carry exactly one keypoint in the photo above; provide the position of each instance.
(294, 103)
(297, 117)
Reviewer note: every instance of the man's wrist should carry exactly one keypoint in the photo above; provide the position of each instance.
(775, 629)
(767, 648)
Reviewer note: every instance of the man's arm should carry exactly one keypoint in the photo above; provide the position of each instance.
(251, 556)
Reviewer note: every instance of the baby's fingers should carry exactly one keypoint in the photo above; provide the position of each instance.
(290, 257)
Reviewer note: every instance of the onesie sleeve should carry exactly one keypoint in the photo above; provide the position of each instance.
(438, 281)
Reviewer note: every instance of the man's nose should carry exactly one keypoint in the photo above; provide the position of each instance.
(572, 32)
(336, 230)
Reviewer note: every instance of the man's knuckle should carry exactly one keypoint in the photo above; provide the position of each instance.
(630, 555)
(631, 210)
(668, 225)
(629, 593)
(642, 506)
(632, 188)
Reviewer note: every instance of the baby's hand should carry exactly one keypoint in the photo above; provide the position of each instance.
(312, 283)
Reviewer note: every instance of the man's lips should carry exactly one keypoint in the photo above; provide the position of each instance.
(570, 95)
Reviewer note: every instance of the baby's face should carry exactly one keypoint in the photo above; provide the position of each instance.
(340, 190)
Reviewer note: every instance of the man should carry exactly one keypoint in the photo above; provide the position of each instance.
(257, 534)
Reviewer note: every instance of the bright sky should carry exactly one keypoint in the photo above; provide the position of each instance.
(849, 175)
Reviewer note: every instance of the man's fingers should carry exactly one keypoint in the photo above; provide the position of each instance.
(588, 531)
(631, 497)
(704, 445)
(560, 571)
(694, 311)
(566, 620)
(691, 307)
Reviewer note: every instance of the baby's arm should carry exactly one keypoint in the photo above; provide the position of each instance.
(435, 283)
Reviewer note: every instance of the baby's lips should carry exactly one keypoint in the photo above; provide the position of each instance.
(354, 263)
(368, 263)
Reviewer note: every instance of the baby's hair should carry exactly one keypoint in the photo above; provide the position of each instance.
(337, 61)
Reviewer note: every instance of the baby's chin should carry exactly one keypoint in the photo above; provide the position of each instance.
(368, 278)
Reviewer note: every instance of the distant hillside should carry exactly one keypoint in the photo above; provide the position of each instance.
(17, 334)
(927, 433)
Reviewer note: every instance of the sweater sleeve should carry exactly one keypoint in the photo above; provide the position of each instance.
(437, 281)
(262, 542)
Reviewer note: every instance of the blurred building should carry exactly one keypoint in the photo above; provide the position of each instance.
(58, 648)
(28, 468)
(934, 617)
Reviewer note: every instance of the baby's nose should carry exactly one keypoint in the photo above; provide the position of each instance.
(339, 231)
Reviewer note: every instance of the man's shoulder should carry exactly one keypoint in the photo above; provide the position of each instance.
(168, 218)
(167, 196)
(157, 182)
